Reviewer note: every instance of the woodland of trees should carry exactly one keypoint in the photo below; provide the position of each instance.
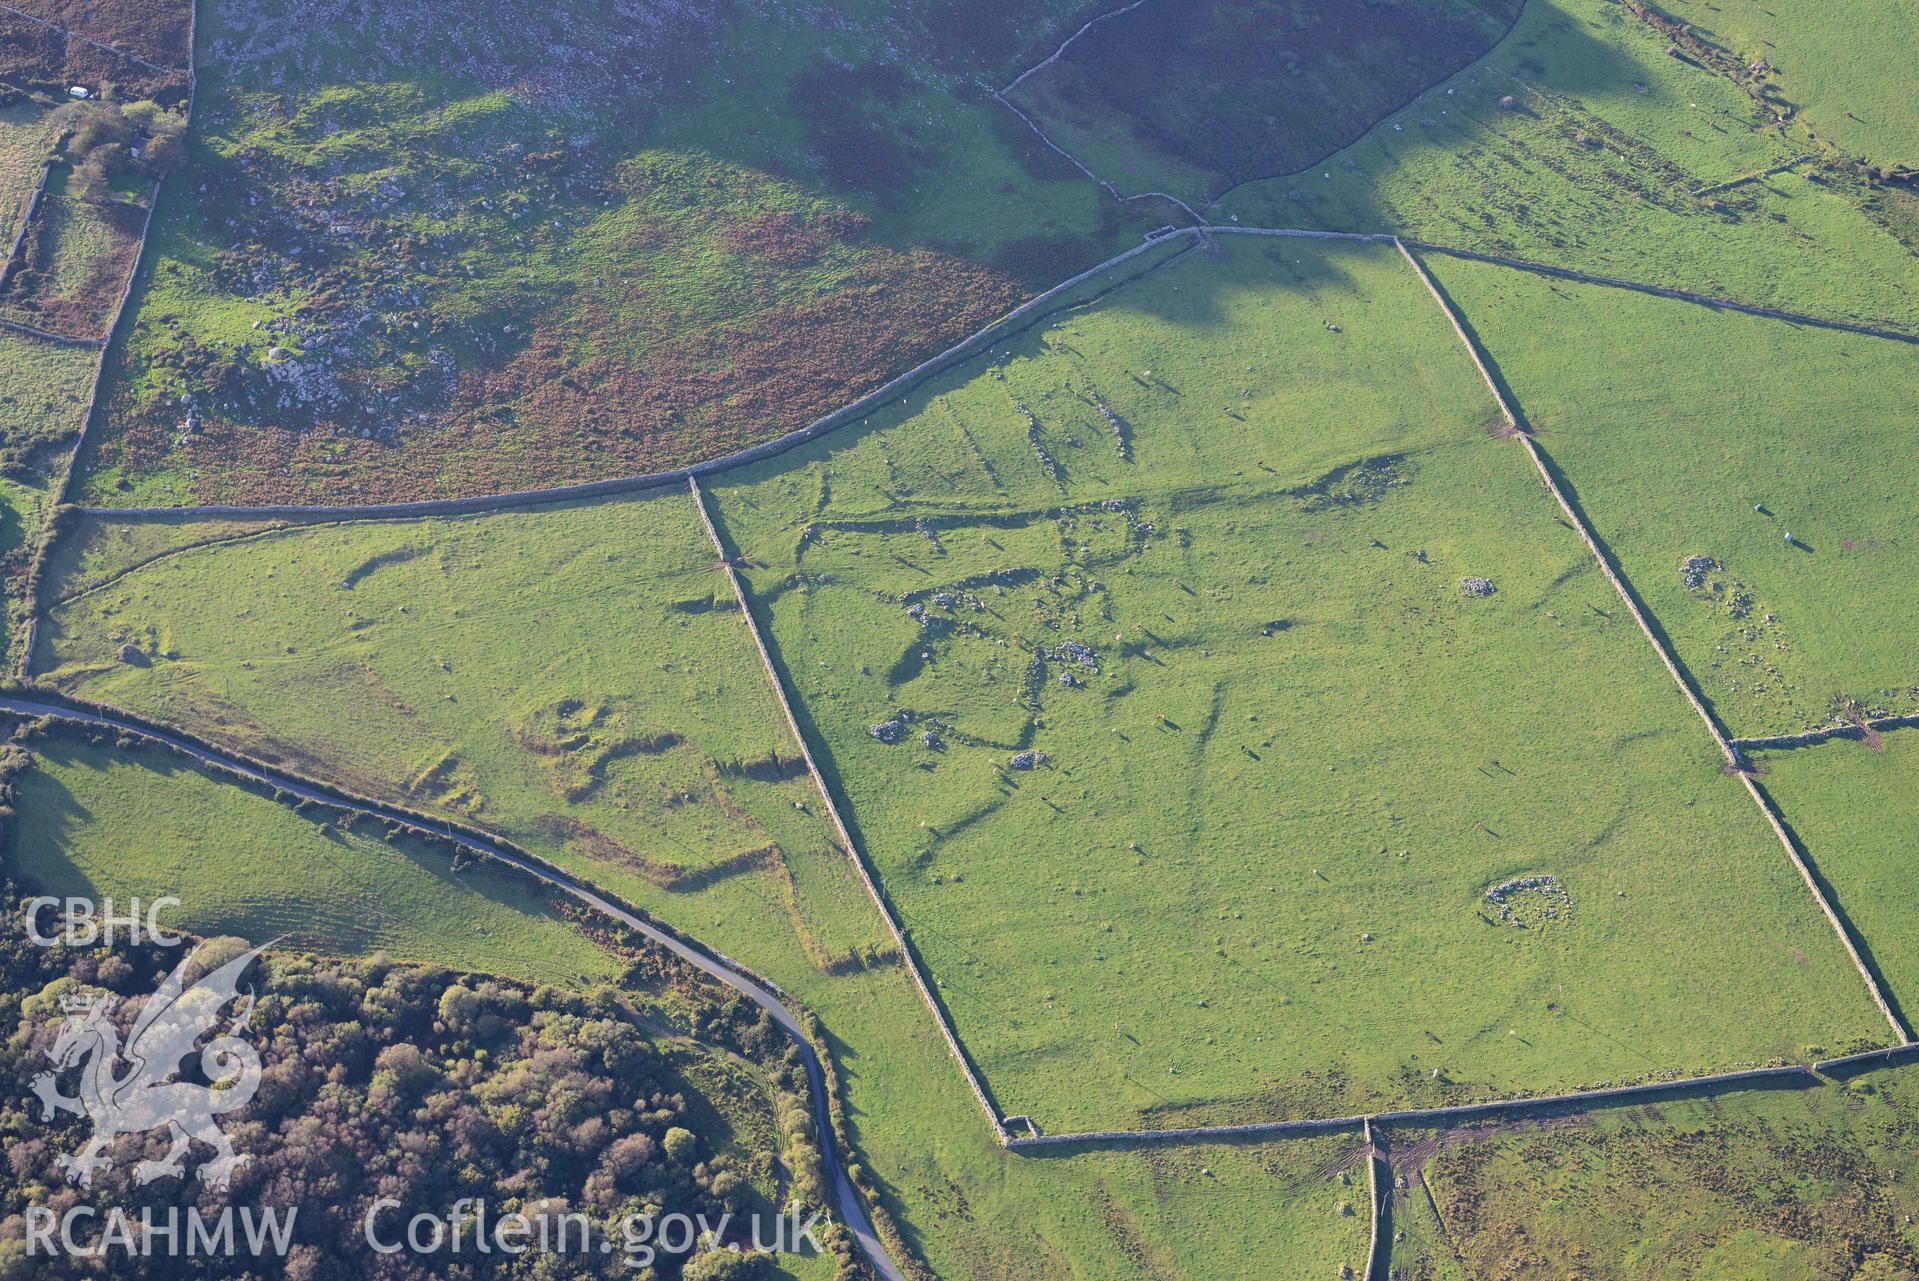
(424, 1085)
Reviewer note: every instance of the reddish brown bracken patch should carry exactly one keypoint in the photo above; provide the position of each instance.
(779, 238)
(146, 54)
(152, 29)
(540, 421)
(87, 311)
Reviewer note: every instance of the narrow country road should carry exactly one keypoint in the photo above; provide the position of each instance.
(847, 1200)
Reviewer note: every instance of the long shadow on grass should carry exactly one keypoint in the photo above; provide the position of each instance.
(1521, 183)
(1571, 493)
(1490, 1118)
(1138, 69)
(1826, 888)
(1498, 375)
(1306, 270)
(1580, 64)
(830, 779)
(1851, 932)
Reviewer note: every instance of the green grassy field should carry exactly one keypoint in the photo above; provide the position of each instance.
(1193, 98)
(1762, 1186)
(970, 1207)
(104, 821)
(43, 393)
(1694, 433)
(976, 1210)
(1141, 646)
(113, 821)
(1252, 506)
(76, 264)
(78, 235)
(1847, 70)
(1853, 808)
(1210, 1212)
(406, 279)
(967, 1204)
(43, 389)
(1420, 1248)
(26, 139)
(567, 675)
(22, 509)
(1595, 168)
(1247, 873)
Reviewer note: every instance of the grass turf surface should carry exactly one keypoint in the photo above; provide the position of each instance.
(1246, 873)
(103, 821)
(569, 675)
(43, 391)
(1848, 70)
(566, 674)
(1673, 422)
(1770, 1185)
(972, 1208)
(1854, 810)
(1596, 167)
(75, 265)
(110, 821)
(1193, 97)
(481, 265)
(26, 138)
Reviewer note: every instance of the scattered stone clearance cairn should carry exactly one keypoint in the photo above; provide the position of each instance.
(1530, 900)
